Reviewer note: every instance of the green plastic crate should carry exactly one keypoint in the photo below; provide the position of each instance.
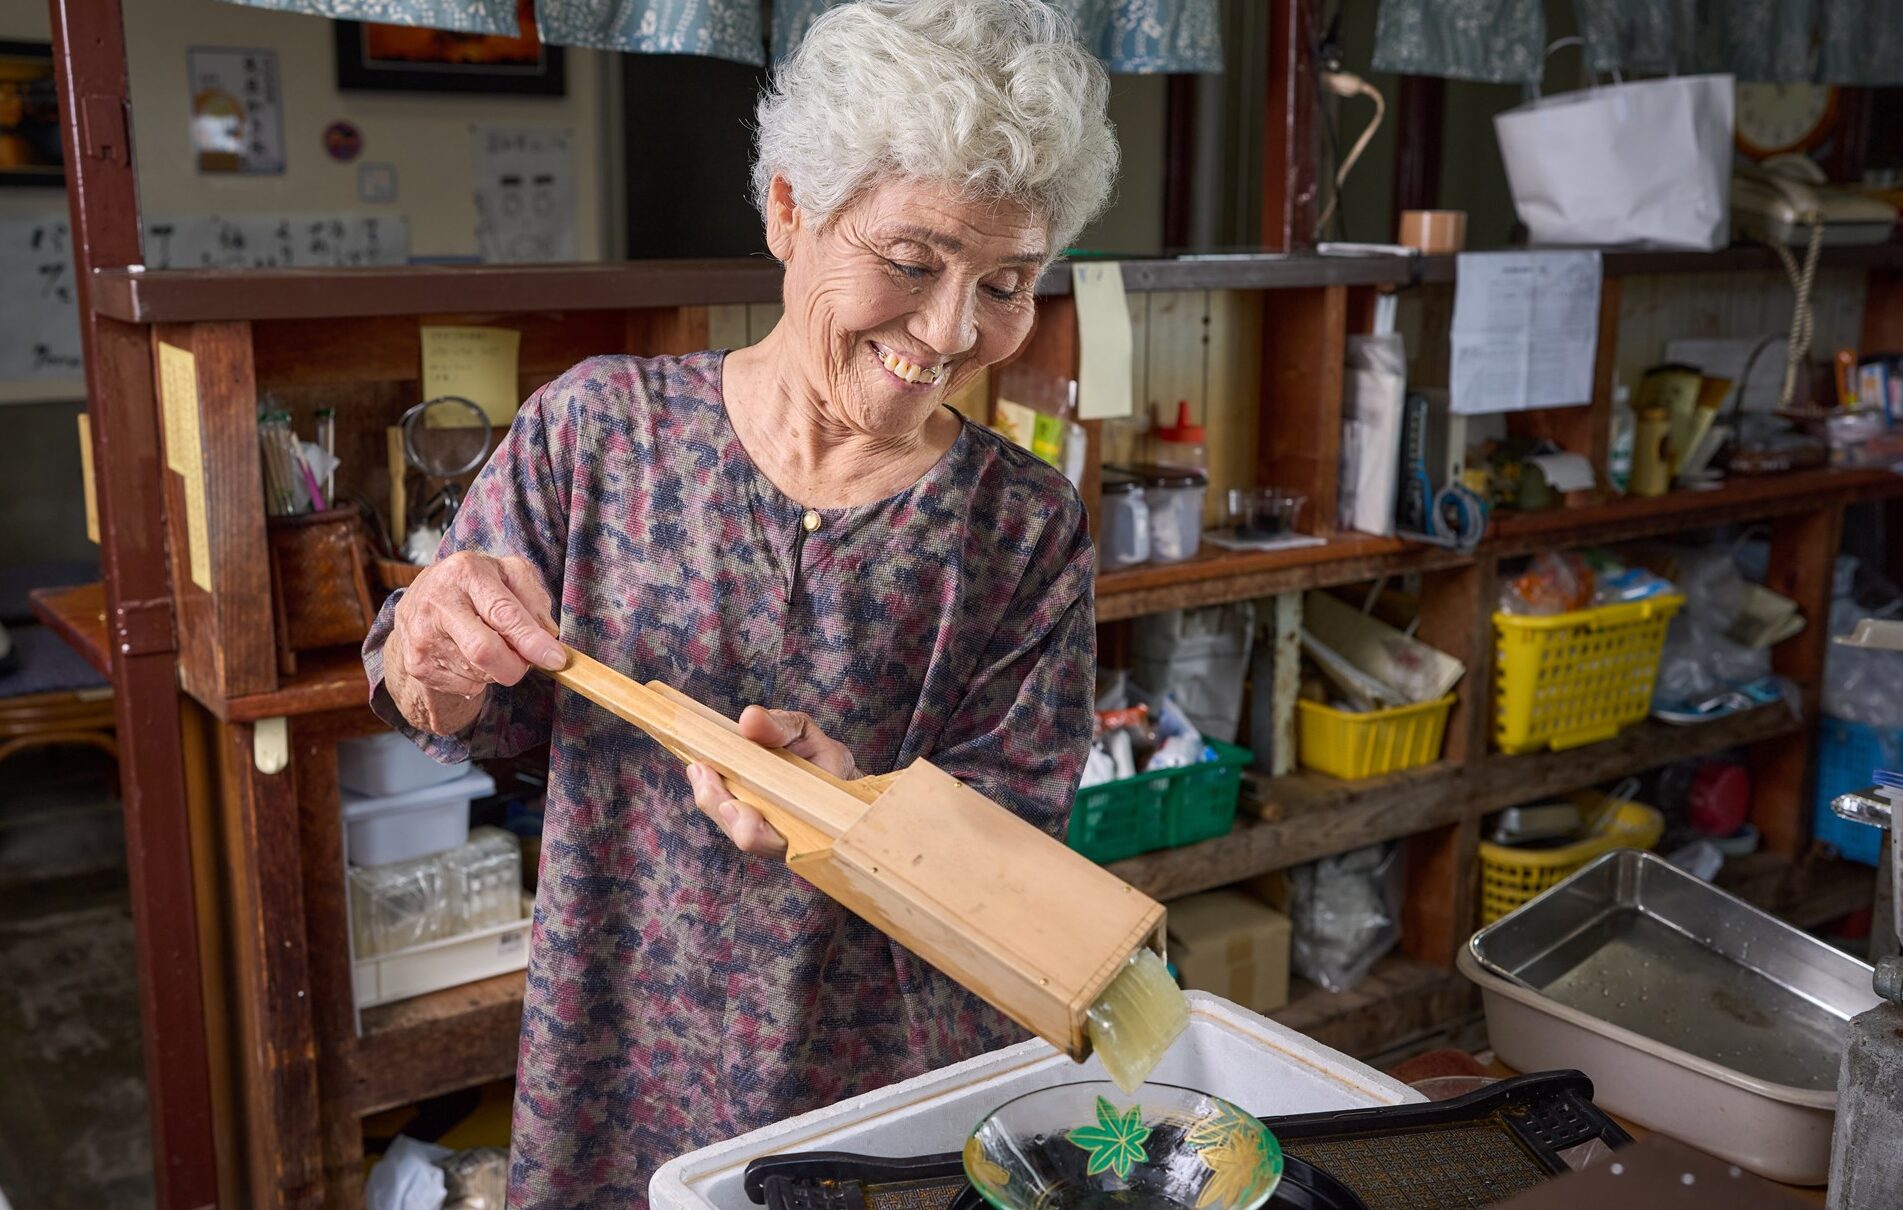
(1159, 810)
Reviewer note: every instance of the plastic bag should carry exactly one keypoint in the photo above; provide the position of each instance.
(1199, 657)
(1555, 582)
(478, 1179)
(1861, 685)
(1699, 662)
(1346, 915)
(407, 1178)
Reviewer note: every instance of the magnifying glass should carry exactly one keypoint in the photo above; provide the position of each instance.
(444, 438)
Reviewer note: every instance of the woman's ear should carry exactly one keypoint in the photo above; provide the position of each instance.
(782, 218)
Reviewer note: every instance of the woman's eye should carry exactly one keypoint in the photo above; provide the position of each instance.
(1004, 293)
(908, 270)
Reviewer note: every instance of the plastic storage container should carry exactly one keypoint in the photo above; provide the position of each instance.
(1126, 520)
(1175, 497)
(1848, 756)
(1159, 810)
(1346, 744)
(1576, 678)
(1248, 1060)
(1511, 876)
(399, 827)
(379, 765)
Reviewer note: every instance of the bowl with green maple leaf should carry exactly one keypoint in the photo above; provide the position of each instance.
(1091, 1146)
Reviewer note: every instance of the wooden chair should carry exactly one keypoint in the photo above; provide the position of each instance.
(72, 716)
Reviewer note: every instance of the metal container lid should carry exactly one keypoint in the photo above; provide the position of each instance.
(1153, 475)
(1116, 482)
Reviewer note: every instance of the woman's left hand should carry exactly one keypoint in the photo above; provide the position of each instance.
(789, 729)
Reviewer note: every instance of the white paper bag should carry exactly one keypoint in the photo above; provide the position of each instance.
(1373, 392)
(1644, 162)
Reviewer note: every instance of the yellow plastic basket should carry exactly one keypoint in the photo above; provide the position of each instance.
(1510, 877)
(1577, 678)
(1344, 744)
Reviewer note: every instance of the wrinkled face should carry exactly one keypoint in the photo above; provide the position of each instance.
(902, 296)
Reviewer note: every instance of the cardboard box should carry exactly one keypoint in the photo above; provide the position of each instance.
(1231, 944)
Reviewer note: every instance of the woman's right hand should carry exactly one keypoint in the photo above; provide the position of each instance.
(467, 622)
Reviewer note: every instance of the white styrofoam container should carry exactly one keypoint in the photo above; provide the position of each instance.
(439, 964)
(397, 827)
(1228, 1051)
(380, 765)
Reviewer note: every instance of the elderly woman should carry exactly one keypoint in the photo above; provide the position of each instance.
(801, 534)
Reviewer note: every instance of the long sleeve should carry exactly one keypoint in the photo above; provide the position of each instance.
(1022, 730)
(518, 505)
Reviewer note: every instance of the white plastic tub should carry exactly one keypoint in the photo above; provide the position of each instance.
(1229, 1051)
(400, 827)
(451, 962)
(380, 765)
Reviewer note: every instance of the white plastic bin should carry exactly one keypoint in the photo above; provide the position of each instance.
(386, 764)
(450, 962)
(1228, 1051)
(399, 827)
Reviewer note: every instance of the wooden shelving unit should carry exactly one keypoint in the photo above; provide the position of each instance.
(304, 1073)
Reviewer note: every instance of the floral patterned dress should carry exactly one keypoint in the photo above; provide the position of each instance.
(679, 991)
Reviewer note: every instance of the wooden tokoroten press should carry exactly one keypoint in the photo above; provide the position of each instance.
(1034, 928)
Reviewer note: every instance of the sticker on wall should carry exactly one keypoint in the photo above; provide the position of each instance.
(237, 110)
(343, 142)
(376, 182)
(525, 193)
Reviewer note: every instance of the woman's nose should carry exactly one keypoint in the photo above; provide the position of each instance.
(949, 319)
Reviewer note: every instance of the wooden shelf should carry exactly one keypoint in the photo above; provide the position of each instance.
(77, 615)
(436, 1043)
(1399, 1000)
(187, 295)
(1740, 499)
(1215, 576)
(325, 680)
(1305, 816)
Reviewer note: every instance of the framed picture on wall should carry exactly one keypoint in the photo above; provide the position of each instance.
(373, 57)
(30, 151)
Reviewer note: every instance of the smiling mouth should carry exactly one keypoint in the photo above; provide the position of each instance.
(909, 372)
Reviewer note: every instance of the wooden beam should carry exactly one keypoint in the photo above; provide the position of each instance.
(1420, 107)
(271, 977)
(89, 58)
(1802, 565)
(1304, 334)
(1289, 155)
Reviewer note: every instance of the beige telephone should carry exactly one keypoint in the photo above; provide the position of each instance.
(1775, 202)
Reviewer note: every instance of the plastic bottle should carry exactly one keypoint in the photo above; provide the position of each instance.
(1181, 444)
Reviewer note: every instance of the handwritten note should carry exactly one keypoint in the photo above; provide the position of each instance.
(1103, 336)
(39, 321)
(1526, 326)
(178, 401)
(276, 241)
(476, 363)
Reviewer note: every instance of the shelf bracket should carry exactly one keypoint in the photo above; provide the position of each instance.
(271, 745)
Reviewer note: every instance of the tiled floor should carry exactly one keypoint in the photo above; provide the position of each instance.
(72, 1091)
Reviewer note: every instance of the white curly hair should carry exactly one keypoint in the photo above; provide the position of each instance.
(994, 98)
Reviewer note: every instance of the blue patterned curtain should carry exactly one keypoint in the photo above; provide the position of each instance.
(1135, 37)
(461, 16)
(724, 29)
(1857, 42)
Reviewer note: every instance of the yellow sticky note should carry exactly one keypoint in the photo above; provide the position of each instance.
(478, 364)
(178, 400)
(86, 478)
(1104, 341)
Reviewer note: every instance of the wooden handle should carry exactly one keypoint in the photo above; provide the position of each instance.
(779, 784)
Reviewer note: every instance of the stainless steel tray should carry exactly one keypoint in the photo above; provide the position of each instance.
(1693, 1012)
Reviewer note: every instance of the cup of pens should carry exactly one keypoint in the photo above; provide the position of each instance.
(299, 476)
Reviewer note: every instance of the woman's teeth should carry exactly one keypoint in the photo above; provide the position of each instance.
(901, 368)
